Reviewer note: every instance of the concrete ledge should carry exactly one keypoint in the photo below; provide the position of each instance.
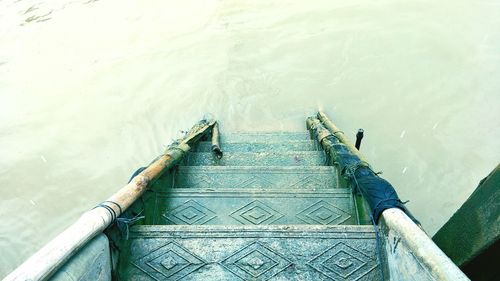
(410, 254)
(213, 253)
(297, 158)
(91, 263)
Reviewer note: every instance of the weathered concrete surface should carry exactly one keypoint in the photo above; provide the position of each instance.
(292, 177)
(410, 254)
(253, 206)
(91, 263)
(307, 253)
(304, 145)
(264, 137)
(298, 158)
(474, 228)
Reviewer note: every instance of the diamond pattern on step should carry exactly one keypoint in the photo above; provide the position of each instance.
(255, 182)
(256, 213)
(324, 213)
(341, 262)
(201, 180)
(191, 212)
(255, 262)
(171, 261)
(308, 182)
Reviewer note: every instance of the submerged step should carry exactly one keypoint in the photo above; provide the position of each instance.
(300, 158)
(264, 136)
(214, 253)
(305, 145)
(253, 206)
(292, 177)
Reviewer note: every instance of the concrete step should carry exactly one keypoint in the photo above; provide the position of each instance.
(254, 206)
(292, 177)
(264, 136)
(303, 145)
(213, 253)
(300, 158)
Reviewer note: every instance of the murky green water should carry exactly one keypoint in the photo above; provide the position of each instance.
(91, 90)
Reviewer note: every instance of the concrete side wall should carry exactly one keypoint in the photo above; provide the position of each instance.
(91, 263)
(401, 263)
(410, 254)
(476, 225)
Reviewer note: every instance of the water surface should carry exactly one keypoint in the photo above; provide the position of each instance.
(90, 90)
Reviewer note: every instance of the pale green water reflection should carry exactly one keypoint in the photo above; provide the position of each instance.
(88, 92)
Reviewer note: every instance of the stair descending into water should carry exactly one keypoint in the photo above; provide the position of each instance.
(270, 209)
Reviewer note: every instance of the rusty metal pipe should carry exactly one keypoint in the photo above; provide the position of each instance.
(359, 137)
(216, 150)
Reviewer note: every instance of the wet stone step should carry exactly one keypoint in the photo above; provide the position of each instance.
(254, 206)
(306, 145)
(300, 158)
(292, 177)
(213, 253)
(264, 136)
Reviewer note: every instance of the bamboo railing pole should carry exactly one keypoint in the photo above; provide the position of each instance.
(48, 259)
(417, 241)
(339, 134)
